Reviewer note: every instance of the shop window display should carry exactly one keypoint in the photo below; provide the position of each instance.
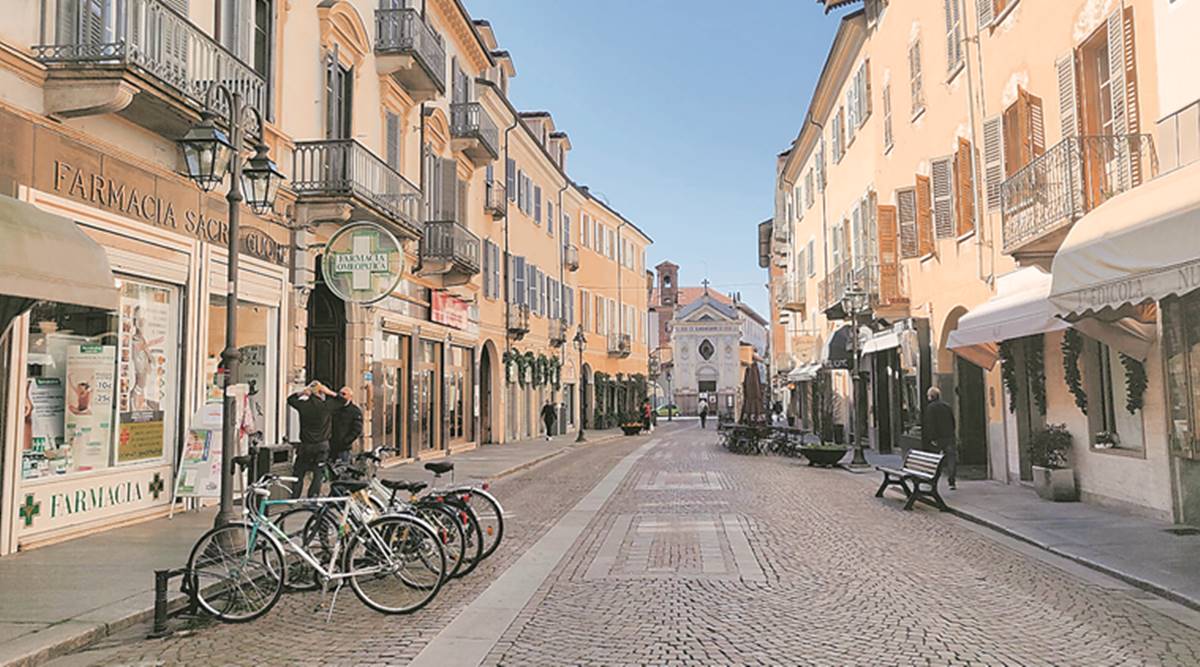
(1181, 341)
(257, 327)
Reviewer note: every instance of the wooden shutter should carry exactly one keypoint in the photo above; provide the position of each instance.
(510, 179)
(393, 140)
(1116, 72)
(993, 160)
(889, 261)
(924, 217)
(866, 91)
(906, 214)
(914, 76)
(332, 93)
(537, 204)
(1037, 124)
(983, 8)
(953, 44)
(1068, 110)
(964, 187)
(941, 170)
(447, 193)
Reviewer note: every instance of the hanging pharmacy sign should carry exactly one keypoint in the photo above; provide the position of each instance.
(363, 263)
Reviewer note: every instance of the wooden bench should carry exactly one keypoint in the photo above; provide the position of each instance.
(920, 469)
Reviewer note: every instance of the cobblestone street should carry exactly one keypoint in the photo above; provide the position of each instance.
(703, 557)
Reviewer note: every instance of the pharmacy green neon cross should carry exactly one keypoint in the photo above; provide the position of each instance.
(156, 485)
(29, 510)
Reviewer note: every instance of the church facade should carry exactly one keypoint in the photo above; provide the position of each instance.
(706, 339)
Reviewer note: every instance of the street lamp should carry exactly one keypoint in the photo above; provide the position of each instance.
(854, 302)
(580, 341)
(671, 407)
(209, 154)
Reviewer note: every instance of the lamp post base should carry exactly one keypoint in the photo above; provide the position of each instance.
(859, 460)
(580, 438)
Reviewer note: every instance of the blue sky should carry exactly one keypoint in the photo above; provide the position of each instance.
(676, 111)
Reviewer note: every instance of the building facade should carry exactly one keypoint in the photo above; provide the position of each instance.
(395, 114)
(949, 154)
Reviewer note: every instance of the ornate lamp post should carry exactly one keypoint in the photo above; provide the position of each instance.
(580, 341)
(209, 154)
(671, 407)
(854, 302)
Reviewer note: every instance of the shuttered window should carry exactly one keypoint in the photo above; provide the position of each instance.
(993, 160)
(985, 12)
(339, 85)
(889, 260)
(585, 310)
(954, 46)
(1024, 132)
(808, 188)
(510, 179)
(812, 257)
(887, 118)
(392, 138)
(906, 216)
(924, 217)
(520, 284)
(916, 87)
(537, 204)
(964, 188)
(941, 173)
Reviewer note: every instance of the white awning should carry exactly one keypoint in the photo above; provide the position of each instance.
(880, 341)
(805, 373)
(1019, 309)
(1139, 246)
(46, 257)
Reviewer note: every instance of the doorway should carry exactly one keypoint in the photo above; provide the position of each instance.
(485, 395)
(326, 341)
(1027, 409)
(885, 377)
(972, 420)
(427, 397)
(391, 396)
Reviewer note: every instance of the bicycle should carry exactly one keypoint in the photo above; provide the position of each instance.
(395, 563)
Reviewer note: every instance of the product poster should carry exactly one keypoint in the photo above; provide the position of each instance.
(252, 372)
(44, 453)
(200, 463)
(144, 376)
(89, 397)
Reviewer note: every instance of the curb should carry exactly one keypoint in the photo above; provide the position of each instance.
(1132, 580)
(549, 455)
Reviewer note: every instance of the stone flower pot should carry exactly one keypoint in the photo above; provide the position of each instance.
(631, 429)
(1057, 484)
(823, 456)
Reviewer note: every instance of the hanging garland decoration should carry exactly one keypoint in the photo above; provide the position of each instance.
(510, 366)
(1008, 370)
(1035, 370)
(555, 372)
(1072, 349)
(539, 370)
(1135, 383)
(528, 361)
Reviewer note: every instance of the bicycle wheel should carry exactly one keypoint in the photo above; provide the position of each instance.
(491, 518)
(474, 534)
(301, 576)
(454, 539)
(239, 572)
(396, 564)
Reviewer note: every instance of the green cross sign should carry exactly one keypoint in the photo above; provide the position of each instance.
(156, 485)
(29, 510)
(362, 263)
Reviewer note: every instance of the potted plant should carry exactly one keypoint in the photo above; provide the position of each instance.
(631, 424)
(1052, 478)
(823, 453)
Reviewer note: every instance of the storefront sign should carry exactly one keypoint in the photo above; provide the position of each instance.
(70, 501)
(363, 263)
(449, 310)
(184, 216)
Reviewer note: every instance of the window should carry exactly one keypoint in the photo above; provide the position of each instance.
(520, 285)
(916, 87)
(1106, 89)
(510, 176)
(851, 112)
(392, 137)
(339, 87)
(941, 173)
(537, 204)
(874, 10)
(812, 257)
(1181, 348)
(799, 199)
(566, 229)
(598, 237)
(549, 218)
(533, 278)
(954, 46)
(964, 187)
(990, 10)
(1108, 398)
(585, 310)
(1024, 133)
(887, 118)
(491, 270)
(459, 392)
(808, 188)
(906, 216)
(837, 137)
(257, 338)
(264, 16)
(568, 299)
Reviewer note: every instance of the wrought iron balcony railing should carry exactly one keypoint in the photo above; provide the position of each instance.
(792, 293)
(495, 201)
(149, 35)
(883, 283)
(556, 331)
(469, 120)
(1073, 177)
(333, 168)
(619, 345)
(571, 257)
(403, 32)
(450, 243)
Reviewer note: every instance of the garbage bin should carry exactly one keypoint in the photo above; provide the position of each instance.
(274, 460)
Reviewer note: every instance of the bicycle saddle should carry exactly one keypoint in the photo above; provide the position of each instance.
(439, 467)
(348, 485)
(400, 485)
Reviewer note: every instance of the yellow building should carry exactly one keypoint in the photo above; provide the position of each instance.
(395, 114)
(948, 151)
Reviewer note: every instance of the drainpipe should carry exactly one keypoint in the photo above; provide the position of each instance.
(507, 259)
(980, 203)
(620, 304)
(562, 259)
(822, 184)
(421, 186)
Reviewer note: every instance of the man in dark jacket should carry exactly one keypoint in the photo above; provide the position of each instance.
(549, 414)
(937, 427)
(347, 427)
(316, 405)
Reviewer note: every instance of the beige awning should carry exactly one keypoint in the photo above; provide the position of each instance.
(1139, 247)
(1019, 309)
(46, 257)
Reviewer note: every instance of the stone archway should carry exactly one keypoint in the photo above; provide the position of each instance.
(489, 379)
(964, 388)
(586, 398)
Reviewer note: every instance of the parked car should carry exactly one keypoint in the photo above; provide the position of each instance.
(670, 410)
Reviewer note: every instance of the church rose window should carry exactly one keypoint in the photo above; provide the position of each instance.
(706, 350)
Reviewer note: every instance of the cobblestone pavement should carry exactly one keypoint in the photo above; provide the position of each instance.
(702, 557)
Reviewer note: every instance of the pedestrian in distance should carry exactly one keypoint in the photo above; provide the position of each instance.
(548, 416)
(937, 427)
(316, 404)
(347, 427)
(646, 414)
(703, 413)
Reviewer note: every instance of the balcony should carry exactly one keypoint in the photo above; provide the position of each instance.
(557, 331)
(1040, 202)
(340, 179)
(619, 345)
(451, 250)
(140, 60)
(410, 51)
(571, 257)
(473, 132)
(883, 283)
(518, 320)
(792, 294)
(495, 200)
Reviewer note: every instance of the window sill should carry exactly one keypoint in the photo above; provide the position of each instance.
(887, 149)
(917, 114)
(927, 257)
(958, 69)
(965, 237)
(1119, 451)
(997, 20)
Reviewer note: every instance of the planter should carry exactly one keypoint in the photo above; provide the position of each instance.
(1057, 484)
(631, 429)
(824, 456)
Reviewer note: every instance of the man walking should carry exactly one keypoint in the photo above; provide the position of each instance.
(703, 413)
(316, 405)
(937, 427)
(347, 427)
(548, 416)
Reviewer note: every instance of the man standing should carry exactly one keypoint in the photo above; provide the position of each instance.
(347, 426)
(548, 415)
(316, 405)
(937, 426)
(703, 413)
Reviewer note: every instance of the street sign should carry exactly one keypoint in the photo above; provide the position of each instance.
(363, 263)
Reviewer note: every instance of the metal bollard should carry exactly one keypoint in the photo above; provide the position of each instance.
(162, 579)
